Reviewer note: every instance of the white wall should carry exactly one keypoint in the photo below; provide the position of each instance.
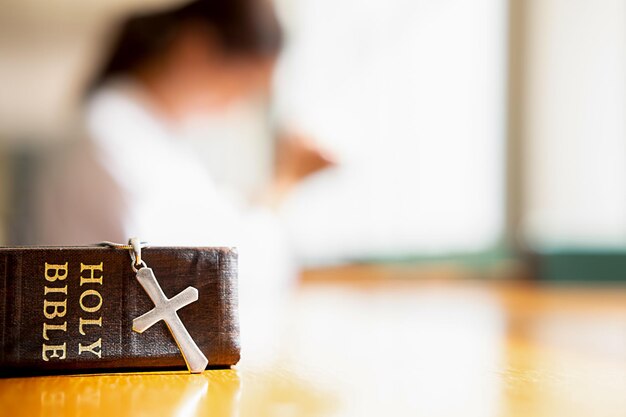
(574, 109)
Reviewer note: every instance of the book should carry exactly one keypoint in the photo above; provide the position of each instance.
(71, 309)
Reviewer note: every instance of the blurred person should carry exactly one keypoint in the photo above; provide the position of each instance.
(136, 175)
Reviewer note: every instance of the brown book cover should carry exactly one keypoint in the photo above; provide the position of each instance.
(70, 309)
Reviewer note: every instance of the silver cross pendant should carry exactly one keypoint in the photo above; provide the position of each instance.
(165, 309)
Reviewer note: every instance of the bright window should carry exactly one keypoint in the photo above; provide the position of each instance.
(410, 95)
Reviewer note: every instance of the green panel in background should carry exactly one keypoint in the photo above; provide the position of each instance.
(581, 265)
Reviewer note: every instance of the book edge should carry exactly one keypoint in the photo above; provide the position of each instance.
(3, 305)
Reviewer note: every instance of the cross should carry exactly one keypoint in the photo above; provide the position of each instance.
(165, 309)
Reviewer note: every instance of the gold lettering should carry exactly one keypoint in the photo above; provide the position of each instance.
(91, 279)
(91, 347)
(94, 308)
(60, 272)
(47, 327)
(55, 349)
(48, 290)
(56, 312)
(85, 322)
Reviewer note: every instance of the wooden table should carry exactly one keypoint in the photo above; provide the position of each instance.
(362, 343)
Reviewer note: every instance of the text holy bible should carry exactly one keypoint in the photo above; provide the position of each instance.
(83, 309)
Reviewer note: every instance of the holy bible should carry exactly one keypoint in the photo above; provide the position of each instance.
(71, 309)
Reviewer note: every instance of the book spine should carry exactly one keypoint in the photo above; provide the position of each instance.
(71, 310)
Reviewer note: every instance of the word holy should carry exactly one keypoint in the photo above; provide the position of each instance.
(55, 310)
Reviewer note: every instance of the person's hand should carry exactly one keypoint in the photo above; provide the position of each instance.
(297, 157)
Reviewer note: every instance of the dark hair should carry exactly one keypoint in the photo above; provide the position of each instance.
(241, 27)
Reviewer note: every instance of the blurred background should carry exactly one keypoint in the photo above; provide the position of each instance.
(478, 133)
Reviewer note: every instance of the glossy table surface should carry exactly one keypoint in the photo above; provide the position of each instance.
(355, 343)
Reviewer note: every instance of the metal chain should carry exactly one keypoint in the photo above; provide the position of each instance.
(134, 247)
